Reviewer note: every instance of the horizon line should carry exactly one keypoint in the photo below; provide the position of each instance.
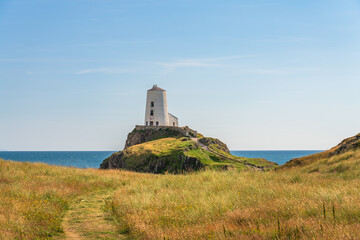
(121, 150)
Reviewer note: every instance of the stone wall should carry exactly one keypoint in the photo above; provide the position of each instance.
(183, 130)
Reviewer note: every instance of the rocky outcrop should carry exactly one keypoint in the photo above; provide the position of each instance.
(215, 143)
(347, 144)
(141, 136)
(175, 150)
(153, 164)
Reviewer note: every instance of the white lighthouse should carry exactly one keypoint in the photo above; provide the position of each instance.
(156, 113)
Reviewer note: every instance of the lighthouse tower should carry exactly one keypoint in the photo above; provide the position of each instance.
(156, 113)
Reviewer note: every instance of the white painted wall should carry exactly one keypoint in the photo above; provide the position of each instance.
(160, 111)
(173, 121)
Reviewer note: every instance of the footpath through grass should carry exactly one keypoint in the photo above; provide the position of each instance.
(85, 218)
(34, 197)
(287, 204)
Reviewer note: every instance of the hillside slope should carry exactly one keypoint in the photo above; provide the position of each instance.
(169, 151)
(342, 158)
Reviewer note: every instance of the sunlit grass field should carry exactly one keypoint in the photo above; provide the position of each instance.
(298, 203)
(222, 205)
(34, 196)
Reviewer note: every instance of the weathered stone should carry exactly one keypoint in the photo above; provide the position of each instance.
(177, 154)
(207, 141)
(347, 144)
(149, 134)
(154, 164)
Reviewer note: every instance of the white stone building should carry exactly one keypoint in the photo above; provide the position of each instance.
(156, 113)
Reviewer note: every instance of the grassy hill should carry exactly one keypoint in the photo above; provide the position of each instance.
(343, 159)
(181, 154)
(234, 204)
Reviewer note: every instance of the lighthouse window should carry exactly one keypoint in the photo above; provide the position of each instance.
(152, 104)
(157, 123)
(152, 113)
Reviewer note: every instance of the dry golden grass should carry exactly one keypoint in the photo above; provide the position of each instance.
(346, 165)
(159, 147)
(251, 205)
(33, 197)
(348, 149)
(85, 218)
(298, 203)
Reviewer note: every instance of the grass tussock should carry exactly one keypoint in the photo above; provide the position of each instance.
(34, 197)
(238, 205)
(318, 201)
(345, 165)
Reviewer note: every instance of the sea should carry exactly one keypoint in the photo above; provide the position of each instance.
(92, 159)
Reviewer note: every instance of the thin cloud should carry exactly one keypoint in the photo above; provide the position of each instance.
(10, 60)
(104, 70)
(285, 39)
(53, 60)
(268, 71)
(110, 43)
(202, 62)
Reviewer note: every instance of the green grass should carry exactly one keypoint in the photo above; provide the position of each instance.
(172, 148)
(160, 147)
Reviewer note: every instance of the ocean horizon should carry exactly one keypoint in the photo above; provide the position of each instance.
(93, 159)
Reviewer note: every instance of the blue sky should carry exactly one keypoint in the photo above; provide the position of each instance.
(256, 74)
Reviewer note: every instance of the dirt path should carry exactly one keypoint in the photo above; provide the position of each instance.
(201, 145)
(85, 219)
(257, 168)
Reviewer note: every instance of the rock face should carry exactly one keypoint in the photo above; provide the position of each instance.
(144, 161)
(141, 153)
(347, 144)
(153, 164)
(161, 150)
(216, 143)
(141, 136)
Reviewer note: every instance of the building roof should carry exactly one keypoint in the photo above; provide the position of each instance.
(156, 88)
(172, 116)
